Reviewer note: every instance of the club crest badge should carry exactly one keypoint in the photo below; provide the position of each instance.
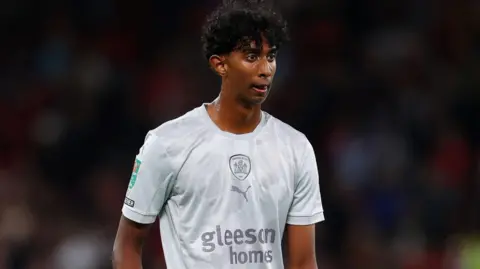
(240, 166)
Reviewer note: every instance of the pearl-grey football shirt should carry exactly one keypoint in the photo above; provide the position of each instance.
(223, 199)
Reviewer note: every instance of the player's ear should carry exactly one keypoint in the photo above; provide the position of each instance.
(218, 64)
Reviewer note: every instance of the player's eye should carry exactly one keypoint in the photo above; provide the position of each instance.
(252, 57)
(271, 57)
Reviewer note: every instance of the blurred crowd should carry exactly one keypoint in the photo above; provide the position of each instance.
(386, 91)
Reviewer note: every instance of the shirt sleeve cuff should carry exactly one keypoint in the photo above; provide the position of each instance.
(137, 217)
(305, 220)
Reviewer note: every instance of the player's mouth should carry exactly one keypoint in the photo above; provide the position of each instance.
(261, 88)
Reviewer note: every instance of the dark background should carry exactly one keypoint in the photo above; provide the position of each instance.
(387, 92)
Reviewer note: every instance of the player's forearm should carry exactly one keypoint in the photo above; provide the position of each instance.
(127, 248)
(305, 265)
(126, 259)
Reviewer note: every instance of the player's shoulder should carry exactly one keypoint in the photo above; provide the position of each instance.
(179, 132)
(172, 140)
(177, 127)
(286, 132)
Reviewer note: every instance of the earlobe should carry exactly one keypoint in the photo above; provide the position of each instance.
(217, 63)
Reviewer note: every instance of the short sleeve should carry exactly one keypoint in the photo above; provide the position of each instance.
(150, 183)
(306, 206)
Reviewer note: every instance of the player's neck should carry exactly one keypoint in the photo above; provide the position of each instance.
(232, 116)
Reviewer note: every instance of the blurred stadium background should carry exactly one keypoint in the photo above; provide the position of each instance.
(387, 92)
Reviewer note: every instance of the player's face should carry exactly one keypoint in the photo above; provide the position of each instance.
(251, 71)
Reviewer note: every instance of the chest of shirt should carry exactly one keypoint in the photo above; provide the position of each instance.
(236, 171)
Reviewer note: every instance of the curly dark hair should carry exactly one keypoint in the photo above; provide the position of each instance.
(236, 23)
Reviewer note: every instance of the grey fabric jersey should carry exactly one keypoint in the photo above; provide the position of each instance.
(224, 199)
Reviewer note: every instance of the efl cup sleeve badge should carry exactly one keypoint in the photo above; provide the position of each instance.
(133, 178)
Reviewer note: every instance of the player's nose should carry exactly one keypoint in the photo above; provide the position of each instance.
(265, 69)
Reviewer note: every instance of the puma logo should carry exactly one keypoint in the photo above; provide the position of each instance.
(244, 193)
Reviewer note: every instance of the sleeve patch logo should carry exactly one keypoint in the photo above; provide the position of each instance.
(133, 178)
(129, 202)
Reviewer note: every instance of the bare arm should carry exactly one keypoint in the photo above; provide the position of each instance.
(127, 249)
(301, 247)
